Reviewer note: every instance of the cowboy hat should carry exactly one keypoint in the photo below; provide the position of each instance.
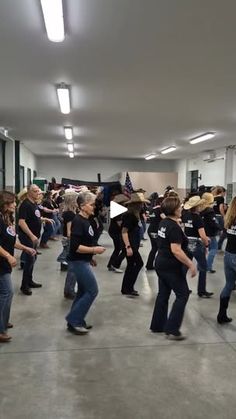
(193, 202)
(120, 198)
(208, 199)
(23, 192)
(140, 190)
(136, 198)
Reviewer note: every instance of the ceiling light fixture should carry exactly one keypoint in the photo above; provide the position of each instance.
(203, 137)
(53, 18)
(63, 93)
(68, 133)
(70, 147)
(168, 150)
(151, 156)
(71, 155)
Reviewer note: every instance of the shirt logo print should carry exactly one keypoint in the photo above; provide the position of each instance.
(11, 231)
(90, 231)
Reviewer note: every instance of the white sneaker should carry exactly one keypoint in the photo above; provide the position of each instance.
(175, 337)
(77, 330)
(80, 329)
(118, 271)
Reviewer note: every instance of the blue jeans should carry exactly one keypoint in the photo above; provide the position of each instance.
(230, 274)
(200, 255)
(213, 246)
(70, 282)
(169, 280)
(47, 233)
(66, 247)
(86, 294)
(56, 225)
(6, 294)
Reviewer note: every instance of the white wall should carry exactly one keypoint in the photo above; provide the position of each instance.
(151, 181)
(87, 169)
(181, 169)
(28, 160)
(212, 173)
(234, 165)
(10, 164)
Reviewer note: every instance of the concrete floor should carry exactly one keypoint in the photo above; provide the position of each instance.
(120, 370)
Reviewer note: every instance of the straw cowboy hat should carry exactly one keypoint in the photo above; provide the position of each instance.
(120, 198)
(140, 190)
(208, 199)
(193, 202)
(137, 198)
(23, 192)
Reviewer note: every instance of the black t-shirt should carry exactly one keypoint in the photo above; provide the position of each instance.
(218, 200)
(211, 226)
(133, 225)
(67, 216)
(231, 239)
(192, 222)
(49, 205)
(29, 212)
(155, 219)
(169, 232)
(81, 234)
(114, 227)
(7, 242)
(59, 200)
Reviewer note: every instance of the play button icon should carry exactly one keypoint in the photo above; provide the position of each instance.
(116, 209)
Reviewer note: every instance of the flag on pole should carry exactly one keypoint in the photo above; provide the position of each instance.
(128, 189)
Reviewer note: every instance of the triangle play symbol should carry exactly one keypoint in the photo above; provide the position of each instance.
(116, 209)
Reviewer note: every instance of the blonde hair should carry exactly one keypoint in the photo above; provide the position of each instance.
(230, 216)
(70, 203)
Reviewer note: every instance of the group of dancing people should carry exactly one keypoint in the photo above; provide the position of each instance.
(179, 233)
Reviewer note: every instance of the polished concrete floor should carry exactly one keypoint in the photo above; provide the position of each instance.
(119, 370)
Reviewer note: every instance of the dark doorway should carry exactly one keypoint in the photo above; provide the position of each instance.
(194, 180)
(2, 164)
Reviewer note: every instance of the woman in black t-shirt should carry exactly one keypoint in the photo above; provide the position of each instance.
(155, 217)
(211, 227)
(229, 262)
(114, 231)
(7, 260)
(219, 207)
(82, 249)
(198, 240)
(131, 226)
(170, 264)
(70, 208)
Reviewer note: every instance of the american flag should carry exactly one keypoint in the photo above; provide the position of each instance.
(128, 189)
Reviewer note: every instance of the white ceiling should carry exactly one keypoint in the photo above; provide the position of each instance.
(145, 74)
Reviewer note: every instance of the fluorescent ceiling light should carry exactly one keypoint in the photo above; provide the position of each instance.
(53, 18)
(203, 137)
(63, 93)
(71, 155)
(68, 133)
(70, 147)
(168, 150)
(151, 156)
